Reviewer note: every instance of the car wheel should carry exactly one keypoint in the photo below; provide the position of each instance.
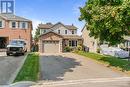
(22, 53)
(8, 54)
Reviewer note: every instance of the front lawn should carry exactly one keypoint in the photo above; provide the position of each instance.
(112, 61)
(30, 69)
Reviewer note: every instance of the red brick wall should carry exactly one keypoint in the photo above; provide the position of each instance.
(17, 33)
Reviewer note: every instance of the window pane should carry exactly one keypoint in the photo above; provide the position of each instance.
(13, 24)
(0, 23)
(72, 32)
(73, 43)
(65, 31)
(76, 43)
(70, 44)
(23, 25)
(58, 31)
(44, 31)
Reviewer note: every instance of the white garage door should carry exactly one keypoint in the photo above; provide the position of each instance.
(51, 47)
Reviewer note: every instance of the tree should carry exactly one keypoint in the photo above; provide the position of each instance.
(37, 34)
(107, 20)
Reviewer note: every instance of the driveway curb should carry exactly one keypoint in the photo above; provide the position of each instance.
(11, 80)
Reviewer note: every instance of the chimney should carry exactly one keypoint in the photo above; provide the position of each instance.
(49, 23)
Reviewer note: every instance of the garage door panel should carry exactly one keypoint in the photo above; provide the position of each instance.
(51, 47)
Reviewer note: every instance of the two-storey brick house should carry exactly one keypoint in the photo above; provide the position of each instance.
(55, 37)
(15, 27)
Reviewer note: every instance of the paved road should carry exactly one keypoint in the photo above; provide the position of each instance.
(8, 66)
(73, 68)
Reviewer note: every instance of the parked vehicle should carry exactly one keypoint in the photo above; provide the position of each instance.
(16, 46)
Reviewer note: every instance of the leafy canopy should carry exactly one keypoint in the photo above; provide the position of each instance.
(108, 20)
(37, 34)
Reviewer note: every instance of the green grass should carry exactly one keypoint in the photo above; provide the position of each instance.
(112, 61)
(30, 69)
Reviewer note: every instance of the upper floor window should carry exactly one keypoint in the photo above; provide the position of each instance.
(44, 31)
(13, 24)
(23, 25)
(66, 32)
(58, 31)
(73, 32)
(1, 24)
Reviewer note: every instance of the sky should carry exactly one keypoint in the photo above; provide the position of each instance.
(43, 11)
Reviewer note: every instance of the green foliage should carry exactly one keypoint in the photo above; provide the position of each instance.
(112, 61)
(98, 50)
(30, 69)
(79, 48)
(67, 49)
(37, 34)
(108, 20)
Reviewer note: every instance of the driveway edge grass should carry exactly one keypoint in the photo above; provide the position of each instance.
(30, 69)
(119, 64)
(11, 80)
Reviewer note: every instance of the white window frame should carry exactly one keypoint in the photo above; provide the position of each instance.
(59, 31)
(73, 32)
(1, 24)
(23, 26)
(16, 26)
(66, 31)
(71, 43)
(26, 25)
(44, 31)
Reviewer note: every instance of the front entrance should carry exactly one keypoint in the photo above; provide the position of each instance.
(3, 42)
(51, 47)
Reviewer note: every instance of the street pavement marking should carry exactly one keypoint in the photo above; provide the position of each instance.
(83, 81)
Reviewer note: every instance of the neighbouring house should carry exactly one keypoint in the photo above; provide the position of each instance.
(15, 27)
(90, 44)
(54, 38)
(93, 45)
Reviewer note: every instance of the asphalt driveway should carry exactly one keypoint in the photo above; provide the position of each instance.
(71, 70)
(8, 67)
(68, 66)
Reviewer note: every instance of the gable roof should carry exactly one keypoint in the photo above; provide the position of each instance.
(13, 17)
(49, 26)
(51, 32)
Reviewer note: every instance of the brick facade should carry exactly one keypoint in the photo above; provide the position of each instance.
(17, 33)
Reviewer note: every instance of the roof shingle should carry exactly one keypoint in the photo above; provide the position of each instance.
(13, 17)
(49, 26)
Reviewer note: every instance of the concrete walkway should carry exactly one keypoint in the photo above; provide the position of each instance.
(9, 67)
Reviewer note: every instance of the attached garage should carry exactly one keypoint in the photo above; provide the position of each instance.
(51, 47)
(50, 42)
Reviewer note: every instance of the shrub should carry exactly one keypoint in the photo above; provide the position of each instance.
(98, 50)
(79, 48)
(67, 49)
